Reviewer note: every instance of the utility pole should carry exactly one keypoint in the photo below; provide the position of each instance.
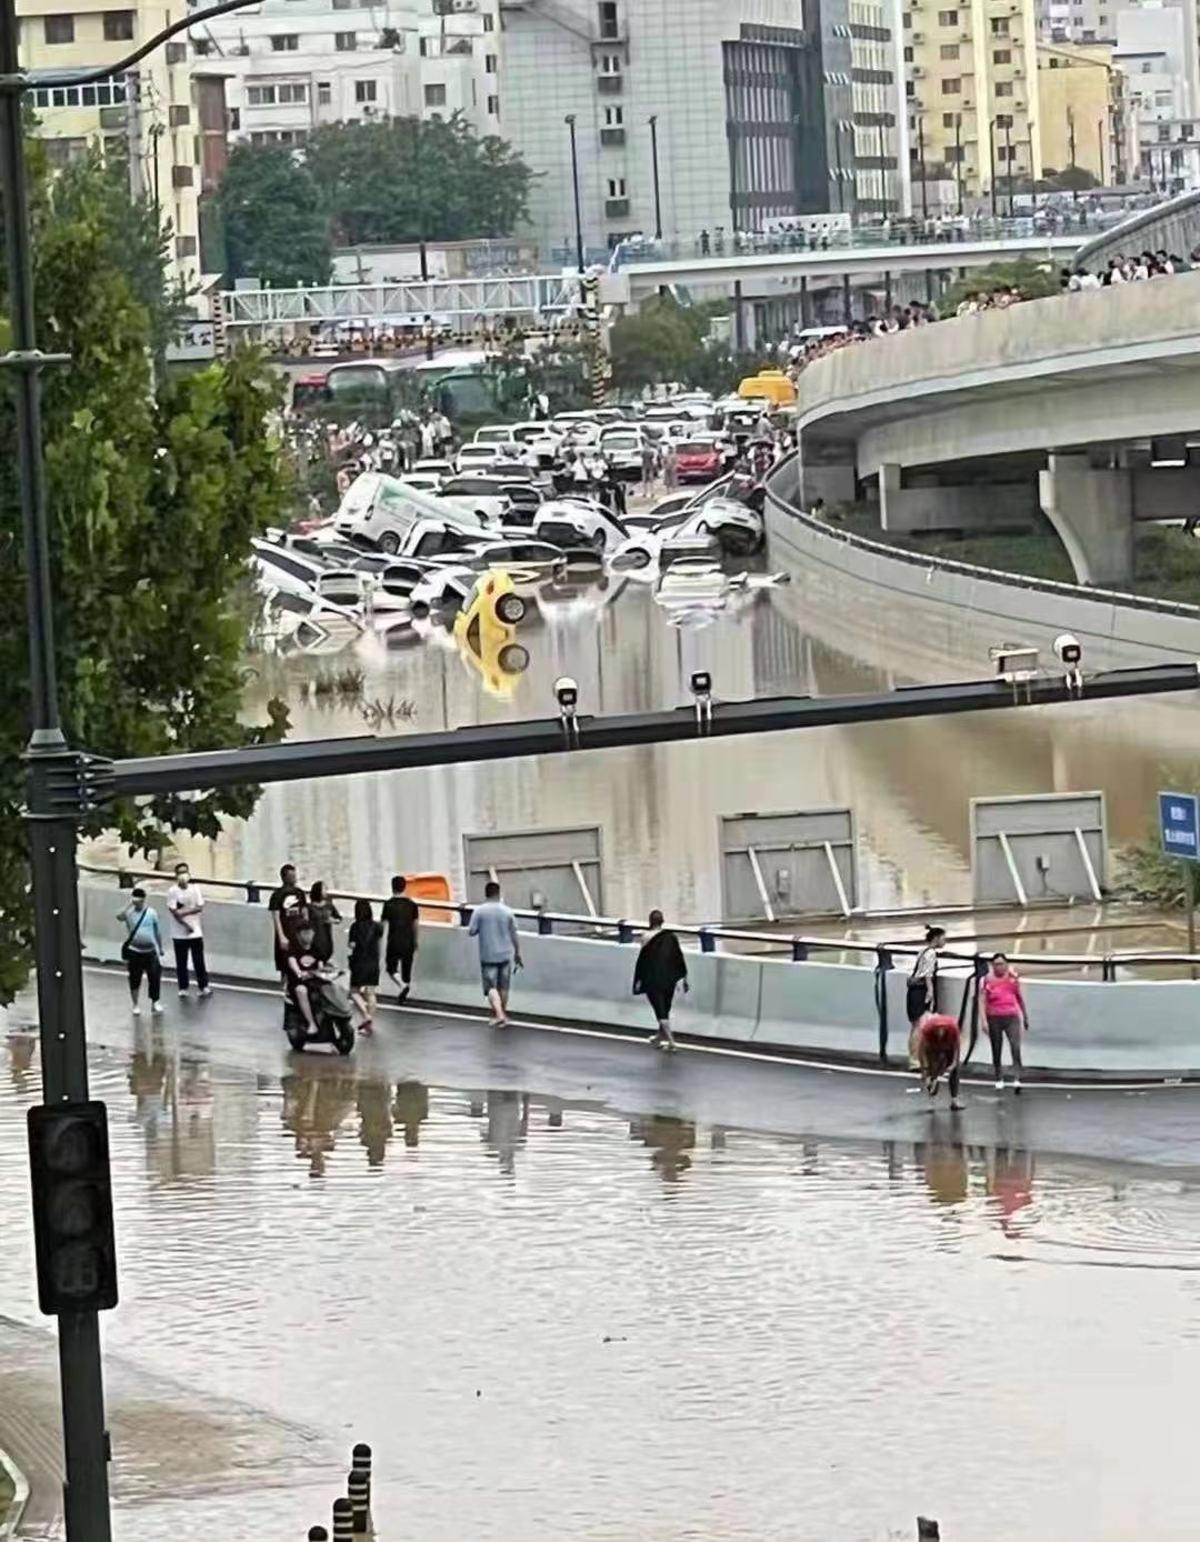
(569, 120)
(992, 160)
(657, 189)
(1071, 152)
(921, 155)
(1008, 157)
(837, 156)
(958, 158)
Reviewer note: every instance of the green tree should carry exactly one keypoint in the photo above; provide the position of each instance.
(400, 180)
(1035, 280)
(154, 492)
(275, 225)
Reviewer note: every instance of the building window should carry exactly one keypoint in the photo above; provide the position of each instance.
(908, 21)
(489, 22)
(58, 29)
(285, 43)
(490, 64)
(345, 42)
(293, 91)
(179, 117)
(616, 187)
(610, 64)
(260, 96)
(948, 119)
(324, 93)
(61, 152)
(118, 26)
(435, 96)
(999, 26)
(908, 56)
(614, 117)
(202, 46)
(948, 51)
(1002, 56)
(493, 106)
(364, 91)
(185, 246)
(175, 53)
(947, 18)
(952, 86)
(954, 153)
(1004, 120)
(1004, 88)
(608, 19)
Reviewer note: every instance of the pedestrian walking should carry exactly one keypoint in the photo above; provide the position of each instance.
(366, 937)
(287, 897)
(401, 917)
(1007, 1015)
(649, 460)
(670, 467)
(185, 905)
(322, 913)
(494, 924)
(921, 994)
(142, 950)
(659, 970)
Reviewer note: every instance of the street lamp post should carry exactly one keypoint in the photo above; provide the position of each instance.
(1008, 157)
(569, 120)
(837, 157)
(1071, 152)
(958, 178)
(1032, 172)
(992, 160)
(921, 157)
(657, 187)
(1100, 147)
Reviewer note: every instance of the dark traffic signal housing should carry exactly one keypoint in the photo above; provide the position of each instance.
(74, 1242)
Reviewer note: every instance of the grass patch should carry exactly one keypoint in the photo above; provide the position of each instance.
(1166, 559)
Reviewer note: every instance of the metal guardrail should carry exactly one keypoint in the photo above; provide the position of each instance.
(881, 954)
(971, 569)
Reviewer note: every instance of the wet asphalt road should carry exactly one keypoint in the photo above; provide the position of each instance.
(240, 1026)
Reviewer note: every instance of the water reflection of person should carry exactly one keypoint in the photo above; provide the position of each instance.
(507, 1126)
(148, 1074)
(315, 1103)
(669, 1139)
(21, 1046)
(411, 1109)
(1010, 1173)
(375, 1120)
(946, 1169)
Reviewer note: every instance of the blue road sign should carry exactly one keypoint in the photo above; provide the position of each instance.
(1179, 824)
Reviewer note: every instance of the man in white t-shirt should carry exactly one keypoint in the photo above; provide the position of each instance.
(185, 905)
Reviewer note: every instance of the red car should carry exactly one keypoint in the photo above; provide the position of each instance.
(698, 460)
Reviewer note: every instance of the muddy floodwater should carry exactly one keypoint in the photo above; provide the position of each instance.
(658, 808)
(599, 1311)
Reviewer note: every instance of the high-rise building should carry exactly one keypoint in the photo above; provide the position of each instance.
(973, 94)
(688, 115)
(293, 65)
(151, 114)
(1085, 112)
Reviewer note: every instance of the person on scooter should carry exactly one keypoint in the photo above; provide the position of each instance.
(303, 968)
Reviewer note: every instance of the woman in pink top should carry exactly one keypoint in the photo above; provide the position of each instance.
(1004, 1006)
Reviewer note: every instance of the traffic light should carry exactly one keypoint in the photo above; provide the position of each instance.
(72, 1208)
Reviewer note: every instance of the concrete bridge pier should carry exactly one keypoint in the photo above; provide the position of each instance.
(910, 501)
(825, 471)
(1092, 511)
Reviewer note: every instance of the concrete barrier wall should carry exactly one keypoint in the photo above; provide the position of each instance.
(1113, 634)
(1128, 1028)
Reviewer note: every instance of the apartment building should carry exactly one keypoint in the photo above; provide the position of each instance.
(879, 121)
(1086, 113)
(689, 115)
(152, 113)
(293, 65)
(972, 94)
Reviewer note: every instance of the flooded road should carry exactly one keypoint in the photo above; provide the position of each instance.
(563, 1293)
(658, 809)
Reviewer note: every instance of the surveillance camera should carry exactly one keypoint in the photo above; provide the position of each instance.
(566, 693)
(701, 683)
(1069, 649)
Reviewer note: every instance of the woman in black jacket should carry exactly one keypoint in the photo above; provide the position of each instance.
(659, 969)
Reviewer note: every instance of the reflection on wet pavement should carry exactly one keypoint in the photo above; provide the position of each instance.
(552, 1319)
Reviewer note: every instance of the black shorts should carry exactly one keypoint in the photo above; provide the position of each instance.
(400, 959)
(917, 1000)
(660, 1002)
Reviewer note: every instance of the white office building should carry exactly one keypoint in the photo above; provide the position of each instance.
(731, 94)
(294, 65)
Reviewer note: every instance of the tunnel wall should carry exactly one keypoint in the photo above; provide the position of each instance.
(1116, 630)
(1127, 1028)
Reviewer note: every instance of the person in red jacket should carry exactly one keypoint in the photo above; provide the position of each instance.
(936, 1041)
(1007, 1016)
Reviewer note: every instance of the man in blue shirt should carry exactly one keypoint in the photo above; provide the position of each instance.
(494, 924)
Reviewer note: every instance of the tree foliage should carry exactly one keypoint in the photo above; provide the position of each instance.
(155, 487)
(1035, 280)
(275, 225)
(400, 180)
(663, 340)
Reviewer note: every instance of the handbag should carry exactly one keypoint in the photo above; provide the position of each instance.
(127, 945)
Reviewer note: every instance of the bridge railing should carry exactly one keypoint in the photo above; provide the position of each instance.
(883, 954)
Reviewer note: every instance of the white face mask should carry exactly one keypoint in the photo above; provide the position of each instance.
(183, 879)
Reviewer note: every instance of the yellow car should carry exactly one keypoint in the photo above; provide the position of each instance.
(485, 630)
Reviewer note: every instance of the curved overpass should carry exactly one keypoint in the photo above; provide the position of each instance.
(1083, 402)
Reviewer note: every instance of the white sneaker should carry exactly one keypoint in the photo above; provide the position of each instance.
(1017, 1086)
(136, 1010)
(183, 991)
(156, 1008)
(1000, 1085)
(206, 993)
